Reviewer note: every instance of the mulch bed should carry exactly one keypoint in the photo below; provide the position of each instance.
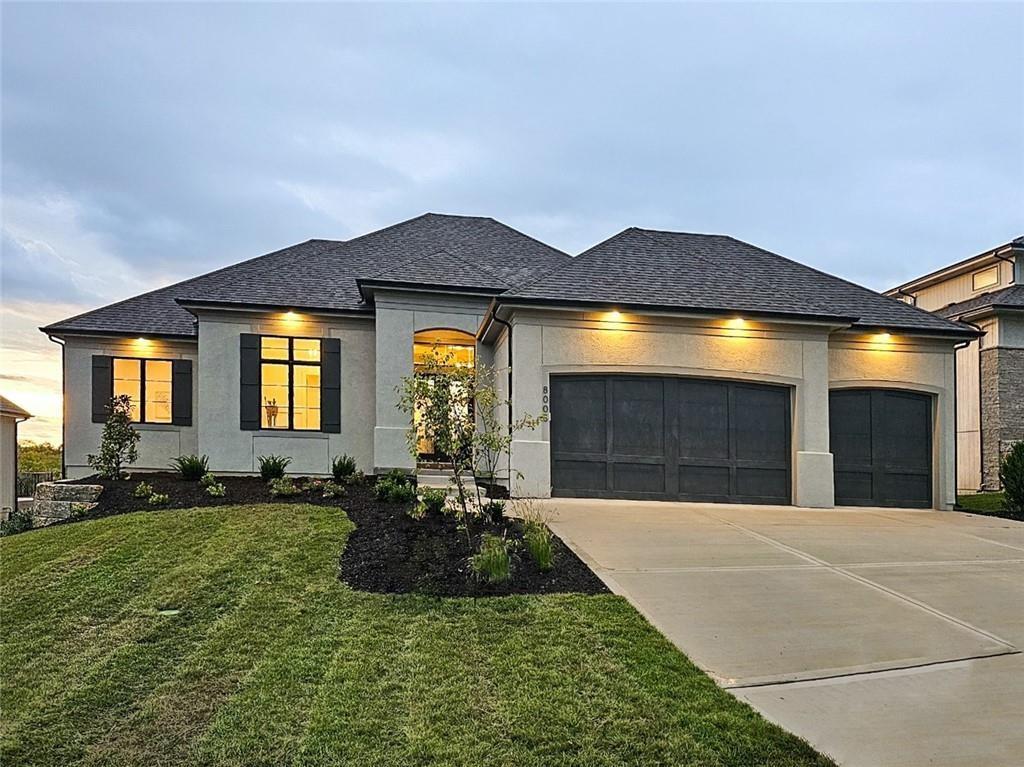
(389, 552)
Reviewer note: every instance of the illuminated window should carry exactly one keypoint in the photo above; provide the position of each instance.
(290, 383)
(986, 278)
(148, 384)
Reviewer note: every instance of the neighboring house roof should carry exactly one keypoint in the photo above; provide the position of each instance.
(974, 262)
(716, 273)
(1007, 298)
(323, 274)
(8, 408)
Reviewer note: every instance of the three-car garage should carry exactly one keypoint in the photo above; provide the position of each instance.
(716, 440)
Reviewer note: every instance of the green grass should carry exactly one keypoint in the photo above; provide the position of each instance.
(985, 503)
(272, 661)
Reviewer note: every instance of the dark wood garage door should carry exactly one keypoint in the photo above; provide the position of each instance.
(669, 438)
(881, 447)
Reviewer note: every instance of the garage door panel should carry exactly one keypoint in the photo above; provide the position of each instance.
(582, 416)
(703, 417)
(761, 424)
(638, 478)
(768, 484)
(882, 447)
(704, 481)
(580, 475)
(638, 416)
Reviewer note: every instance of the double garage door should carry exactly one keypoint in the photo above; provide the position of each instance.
(655, 437)
(669, 438)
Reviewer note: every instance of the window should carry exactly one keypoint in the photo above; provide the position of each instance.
(290, 383)
(148, 384)
(986, 278)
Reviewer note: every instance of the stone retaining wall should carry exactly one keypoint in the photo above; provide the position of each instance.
(55, 501)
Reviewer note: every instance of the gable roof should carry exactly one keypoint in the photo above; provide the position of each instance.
(1011, 297)
(8, 408)
(323, 274)
(993, 255)
(716, 273)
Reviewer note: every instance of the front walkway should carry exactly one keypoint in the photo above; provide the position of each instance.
(882, 636)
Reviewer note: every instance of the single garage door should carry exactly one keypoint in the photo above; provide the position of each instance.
(882, 447)
(659, 437)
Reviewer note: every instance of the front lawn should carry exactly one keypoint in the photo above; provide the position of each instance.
(224, 636)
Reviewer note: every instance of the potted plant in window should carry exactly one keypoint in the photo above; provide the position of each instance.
(271, 408)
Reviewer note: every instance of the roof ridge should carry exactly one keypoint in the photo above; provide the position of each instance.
(178, 284)
(470, 264)
(824, 307)
(572, 261)
(840, 279)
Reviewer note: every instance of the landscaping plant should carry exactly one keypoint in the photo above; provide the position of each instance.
(282, 487)
(343, 467)
(191, 467)
(491, 563)
(396, 487)
(119, 442)
(143, 490)
(1011, 474)
(432, 499)
(495, 510)
(212, 487)
(333, 490)
(159, 499)
(18, 522)
(273, 466)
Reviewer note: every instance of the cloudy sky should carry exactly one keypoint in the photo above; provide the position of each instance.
(143, 144)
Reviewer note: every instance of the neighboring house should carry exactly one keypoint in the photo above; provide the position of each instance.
(675, 366)
(10, 416)
(986, 291)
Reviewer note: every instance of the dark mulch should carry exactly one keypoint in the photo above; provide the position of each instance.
(389, 552)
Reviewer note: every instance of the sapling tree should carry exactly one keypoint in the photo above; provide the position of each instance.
(1011, 475)
(119, 442)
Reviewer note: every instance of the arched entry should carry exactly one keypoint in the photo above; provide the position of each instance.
(454, 348)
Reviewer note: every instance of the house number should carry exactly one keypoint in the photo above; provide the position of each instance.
(544, 399)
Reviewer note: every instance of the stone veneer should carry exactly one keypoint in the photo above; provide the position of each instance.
(56, 501)
(1002, 409)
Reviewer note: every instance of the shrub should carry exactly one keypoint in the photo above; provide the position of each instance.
(491, 563)
(396, 487)
(282, 487)
(333, 490)
(143, 490)
(159, 499)
(432, 499)
(356, 478)
(273, 466)
(1011, 474)
(495, 510)
(18, 522)
(537, 537)
(119, 443)
(191, 467)
(212, 487)
(343, 467)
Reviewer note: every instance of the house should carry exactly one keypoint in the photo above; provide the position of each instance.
(10, 416)
(987, 292)
(671, 365)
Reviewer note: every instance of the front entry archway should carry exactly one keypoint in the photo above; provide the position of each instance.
(455, 349)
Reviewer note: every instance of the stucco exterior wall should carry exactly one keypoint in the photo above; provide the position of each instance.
(903, 362)
(233, 450)
(400, 315)
(159, 443)
(547, 343)
(8, 465)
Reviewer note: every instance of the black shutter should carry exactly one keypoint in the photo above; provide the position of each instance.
(330, 385)
(102, 386)
(250, 382)
(181, 392)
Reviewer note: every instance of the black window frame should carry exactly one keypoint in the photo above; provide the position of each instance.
(291, 363)
(142, 386)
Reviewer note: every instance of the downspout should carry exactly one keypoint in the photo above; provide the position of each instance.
(508, 325)
(63, 406)
(911, 296)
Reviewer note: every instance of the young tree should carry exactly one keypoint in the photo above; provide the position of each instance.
(1011, 475)
(118, 445)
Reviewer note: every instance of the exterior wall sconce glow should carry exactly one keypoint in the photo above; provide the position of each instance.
(614, 315)
(737, 322)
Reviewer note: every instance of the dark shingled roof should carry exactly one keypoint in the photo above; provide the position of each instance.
(323, 274)
(715, 273)
(638, 267)
(1007, 298)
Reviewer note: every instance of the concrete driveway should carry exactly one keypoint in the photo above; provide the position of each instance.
(884, 637)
